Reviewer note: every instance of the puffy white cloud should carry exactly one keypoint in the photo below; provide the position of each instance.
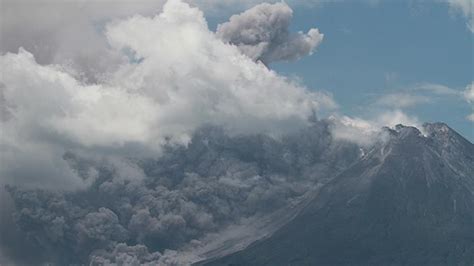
(469, 93)
(234, 5)
(353, 129)
(365, 132)
(182, 77)
(62, 132)
(57, 31)
(470, 117)
(466, 8)
(262, 33)
(393, 118)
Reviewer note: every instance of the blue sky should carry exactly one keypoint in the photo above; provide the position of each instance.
(390, 47)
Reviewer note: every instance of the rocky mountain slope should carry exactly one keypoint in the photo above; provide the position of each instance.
(407, 201)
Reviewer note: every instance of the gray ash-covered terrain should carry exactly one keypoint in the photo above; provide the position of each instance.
(408, 201)
(300, 199)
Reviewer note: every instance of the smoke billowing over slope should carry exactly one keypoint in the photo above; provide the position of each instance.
(179, 76)
(114, 170)
(189, 193)
(178, 134)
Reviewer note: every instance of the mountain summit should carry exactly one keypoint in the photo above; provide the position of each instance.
(408, 201)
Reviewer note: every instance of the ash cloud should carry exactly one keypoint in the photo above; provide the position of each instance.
(184, 77)
(80, 157)
(183, 138)
(185, 195)
(262, 33)
(56, 31)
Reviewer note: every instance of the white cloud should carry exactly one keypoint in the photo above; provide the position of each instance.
(219, 6)
(401, 100)
(426, 93)
(469, 97)
(395, 117)
(466, 9)
(470, 117)
(185, 77)
(436, 89)
(353, 129)
(469, 93)
(56, 31)
(367, 131)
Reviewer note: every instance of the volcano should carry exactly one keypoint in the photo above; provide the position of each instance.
(408, 201)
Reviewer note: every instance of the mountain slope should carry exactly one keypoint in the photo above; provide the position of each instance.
(408, 201)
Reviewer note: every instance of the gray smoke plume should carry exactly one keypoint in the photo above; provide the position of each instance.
(262, 33)
(186, 194)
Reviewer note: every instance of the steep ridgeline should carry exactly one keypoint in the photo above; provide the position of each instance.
(408, 201)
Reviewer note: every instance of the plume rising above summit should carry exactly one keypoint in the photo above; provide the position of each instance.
(262, 33)
(178, 76)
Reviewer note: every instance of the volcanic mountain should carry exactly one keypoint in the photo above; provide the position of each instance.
(408, 201)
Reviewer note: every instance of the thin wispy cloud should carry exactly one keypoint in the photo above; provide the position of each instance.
(402, 100)
(466, 9)
(436, 89)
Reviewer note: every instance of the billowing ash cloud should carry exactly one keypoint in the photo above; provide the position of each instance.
(179, 76)
(183, 138)
(80, 157)
(55, 31)
(262, 33)
(183, 198)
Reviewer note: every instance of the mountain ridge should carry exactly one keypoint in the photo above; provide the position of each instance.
(408, 201)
